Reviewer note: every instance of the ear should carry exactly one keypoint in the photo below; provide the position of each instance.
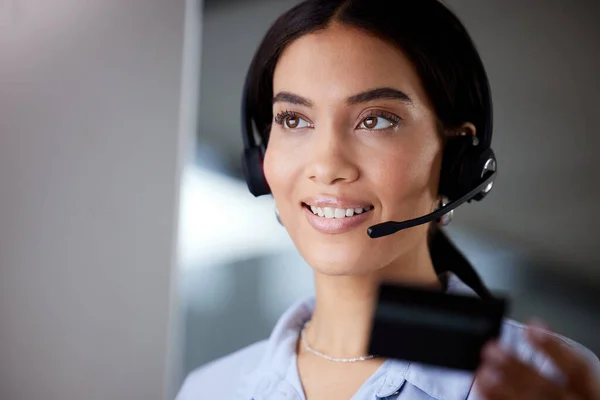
(466, 129)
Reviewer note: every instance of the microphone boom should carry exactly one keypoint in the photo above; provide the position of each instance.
(390, 227)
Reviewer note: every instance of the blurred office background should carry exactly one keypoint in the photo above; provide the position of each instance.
(130, 249)
(94, 132)
(534, 237)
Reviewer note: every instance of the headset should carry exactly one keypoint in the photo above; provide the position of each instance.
(469, 166)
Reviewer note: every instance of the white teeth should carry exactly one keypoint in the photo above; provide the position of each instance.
(329, 212)
(338, 213)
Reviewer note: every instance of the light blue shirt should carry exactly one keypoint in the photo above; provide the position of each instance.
(267, 370)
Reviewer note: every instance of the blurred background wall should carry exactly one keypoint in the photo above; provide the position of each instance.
(90, 158)
(534, 236)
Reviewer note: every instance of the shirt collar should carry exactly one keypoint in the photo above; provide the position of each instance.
(280, 351)
(440, 383)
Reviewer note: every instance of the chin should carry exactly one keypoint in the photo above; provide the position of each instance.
(341, 262)
(339, 269)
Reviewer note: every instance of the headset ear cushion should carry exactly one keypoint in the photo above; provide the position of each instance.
(463, 167)
(452, 165)
(252, 165)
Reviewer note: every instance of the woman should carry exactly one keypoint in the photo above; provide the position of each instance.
(357, 100)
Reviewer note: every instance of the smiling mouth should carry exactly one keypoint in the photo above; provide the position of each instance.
(336, 213)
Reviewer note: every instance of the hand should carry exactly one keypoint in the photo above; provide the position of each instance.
(503, 376)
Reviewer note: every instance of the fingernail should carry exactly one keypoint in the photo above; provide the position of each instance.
(537, 330)
(538, 323)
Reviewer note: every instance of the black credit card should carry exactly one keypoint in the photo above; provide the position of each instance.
(433, 327)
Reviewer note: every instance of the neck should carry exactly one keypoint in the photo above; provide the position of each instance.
(341, 321)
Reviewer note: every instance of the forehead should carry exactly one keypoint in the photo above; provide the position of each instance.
(340, 61)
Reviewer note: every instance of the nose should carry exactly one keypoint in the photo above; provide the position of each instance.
(331, 160)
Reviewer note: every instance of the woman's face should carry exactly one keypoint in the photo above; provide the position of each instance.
(353, 143)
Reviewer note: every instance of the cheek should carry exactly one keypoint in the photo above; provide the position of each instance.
(408, 174)
(280, 171)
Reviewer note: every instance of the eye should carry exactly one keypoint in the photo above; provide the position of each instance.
(295, 122)
(379, 120)
(291, 120)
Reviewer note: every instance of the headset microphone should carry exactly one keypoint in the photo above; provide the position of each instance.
(390, 227)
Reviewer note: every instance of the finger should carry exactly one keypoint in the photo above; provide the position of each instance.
(578, 373)
(520, 378)
(490, 386)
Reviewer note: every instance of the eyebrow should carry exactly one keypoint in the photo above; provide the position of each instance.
(385, 93)
(287, 97)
